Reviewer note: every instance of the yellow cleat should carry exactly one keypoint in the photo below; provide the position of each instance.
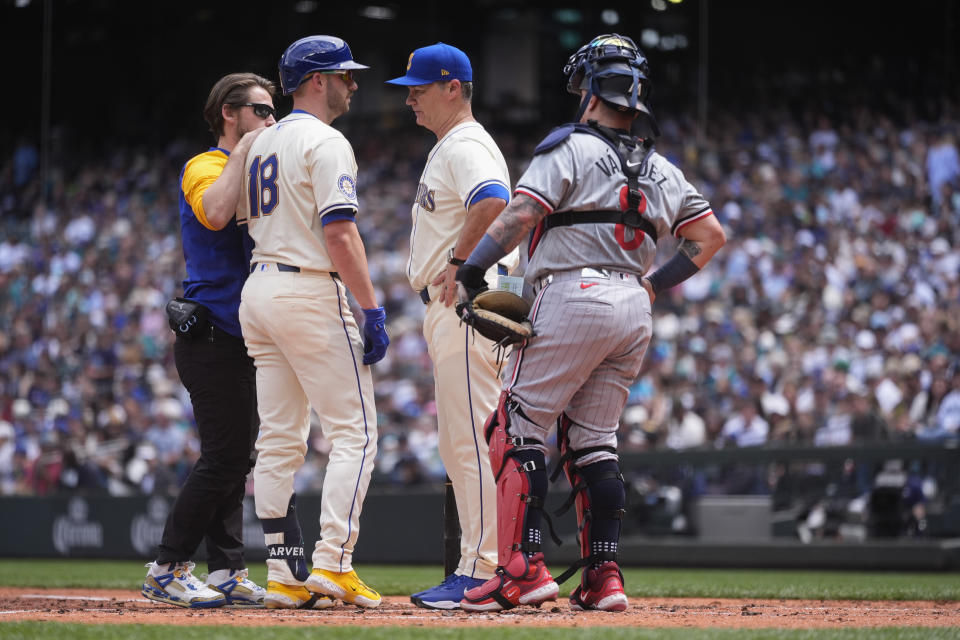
(288, 596)
(345, 586)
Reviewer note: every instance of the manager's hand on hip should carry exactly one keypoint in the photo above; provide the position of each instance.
(375, 339)
(448, 285)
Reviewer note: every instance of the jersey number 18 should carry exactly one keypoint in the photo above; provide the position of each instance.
(263, 190)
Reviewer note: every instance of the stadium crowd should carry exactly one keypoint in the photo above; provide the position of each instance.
(831, 317)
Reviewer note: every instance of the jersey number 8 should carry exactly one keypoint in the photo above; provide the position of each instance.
(263, 186)
(621, 231)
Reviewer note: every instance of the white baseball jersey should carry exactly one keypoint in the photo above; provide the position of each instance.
(283, 217)
(304, 340)
(583, 173)
(459, 167)
(464, 167)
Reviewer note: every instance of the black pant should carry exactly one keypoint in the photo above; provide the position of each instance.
(221, 379)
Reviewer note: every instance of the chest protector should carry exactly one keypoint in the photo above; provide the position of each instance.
(633, 154)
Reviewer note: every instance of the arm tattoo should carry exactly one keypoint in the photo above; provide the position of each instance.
(516, 221)
(689, 248)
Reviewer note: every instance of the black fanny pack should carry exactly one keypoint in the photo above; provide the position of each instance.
(187, 318)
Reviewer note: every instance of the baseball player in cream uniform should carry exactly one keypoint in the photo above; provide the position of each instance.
(300, 202)
(593, 202)
(464, 186)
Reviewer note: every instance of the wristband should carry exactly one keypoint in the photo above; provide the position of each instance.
(487, 252)
(676, 270)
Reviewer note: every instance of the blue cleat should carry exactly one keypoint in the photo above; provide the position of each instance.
(447, 594)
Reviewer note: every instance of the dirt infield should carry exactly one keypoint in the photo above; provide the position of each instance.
(122, 606)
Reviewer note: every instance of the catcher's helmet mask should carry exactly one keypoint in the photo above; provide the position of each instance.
(614, 69)
(314, 53)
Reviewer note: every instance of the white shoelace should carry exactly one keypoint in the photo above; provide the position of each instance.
(242, 578)
(186, 574)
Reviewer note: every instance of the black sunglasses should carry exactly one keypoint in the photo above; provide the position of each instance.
(261, 110)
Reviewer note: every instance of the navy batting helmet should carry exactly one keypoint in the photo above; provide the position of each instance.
(614, 69)
(314, 53)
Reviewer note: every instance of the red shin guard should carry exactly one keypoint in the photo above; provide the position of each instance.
(513, 484)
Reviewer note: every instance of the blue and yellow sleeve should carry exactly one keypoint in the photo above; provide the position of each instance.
(201, 172)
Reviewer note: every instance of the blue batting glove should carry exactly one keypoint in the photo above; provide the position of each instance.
(375, 339)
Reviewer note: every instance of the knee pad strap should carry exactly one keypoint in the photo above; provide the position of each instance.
(515, 500)
(585, 485)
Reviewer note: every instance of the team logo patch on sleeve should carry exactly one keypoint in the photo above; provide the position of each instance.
(347, 186)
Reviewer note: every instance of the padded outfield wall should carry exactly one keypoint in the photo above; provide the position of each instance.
(405, 525)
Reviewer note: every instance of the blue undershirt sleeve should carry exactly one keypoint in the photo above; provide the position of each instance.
(338, 214)
(492, 190)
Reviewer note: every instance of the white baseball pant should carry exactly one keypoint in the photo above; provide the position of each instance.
(467, 389)
(308, 352)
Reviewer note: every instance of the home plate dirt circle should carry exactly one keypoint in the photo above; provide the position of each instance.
(119, 606)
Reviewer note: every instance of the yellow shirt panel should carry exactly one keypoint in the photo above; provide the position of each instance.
(201, 172)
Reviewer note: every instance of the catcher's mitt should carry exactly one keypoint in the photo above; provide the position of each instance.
(497, 315)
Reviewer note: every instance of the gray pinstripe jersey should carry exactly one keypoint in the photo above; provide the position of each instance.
(583, 173)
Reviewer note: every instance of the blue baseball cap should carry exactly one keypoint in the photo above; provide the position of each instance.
(437, 63)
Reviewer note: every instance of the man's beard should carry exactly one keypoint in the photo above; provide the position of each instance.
(337, 103)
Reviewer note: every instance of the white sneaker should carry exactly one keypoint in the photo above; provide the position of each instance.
(180, 587)
(239, 589)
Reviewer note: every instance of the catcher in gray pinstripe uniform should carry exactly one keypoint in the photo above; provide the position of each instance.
(594, 201)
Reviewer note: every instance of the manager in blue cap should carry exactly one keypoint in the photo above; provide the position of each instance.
(437, 63)
(463, 188)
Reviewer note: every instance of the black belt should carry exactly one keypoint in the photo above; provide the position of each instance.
(425, 293)
(280, 267)
(289, 268)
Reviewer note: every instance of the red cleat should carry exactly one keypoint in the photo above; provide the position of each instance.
(522, 581)
(600, 589)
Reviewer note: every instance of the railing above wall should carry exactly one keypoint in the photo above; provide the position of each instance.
(944, 451)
